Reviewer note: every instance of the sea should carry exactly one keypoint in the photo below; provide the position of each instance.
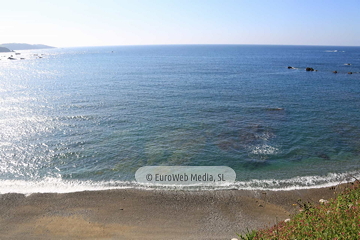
(87, 118)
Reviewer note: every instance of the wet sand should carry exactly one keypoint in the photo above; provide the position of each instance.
(145, 214)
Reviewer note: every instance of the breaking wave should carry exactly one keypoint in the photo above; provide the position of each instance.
(57, 185)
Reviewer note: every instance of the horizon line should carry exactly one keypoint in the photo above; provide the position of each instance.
(192, 44)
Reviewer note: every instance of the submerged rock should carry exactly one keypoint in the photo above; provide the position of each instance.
(324, 156)
(255, 164)
(296, 158)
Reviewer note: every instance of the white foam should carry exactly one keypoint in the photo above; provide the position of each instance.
(333, 51)
(57, 185)
(264, 149)
(303, 182)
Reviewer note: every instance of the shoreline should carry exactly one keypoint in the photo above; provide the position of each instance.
(149, 214)
(59, 186)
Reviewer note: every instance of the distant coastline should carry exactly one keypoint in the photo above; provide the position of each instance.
(22, 46)
(9, 51)
(4, 49)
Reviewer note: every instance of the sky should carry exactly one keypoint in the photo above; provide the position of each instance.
(71, 23)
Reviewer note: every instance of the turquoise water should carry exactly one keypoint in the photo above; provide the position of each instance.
(88, 118)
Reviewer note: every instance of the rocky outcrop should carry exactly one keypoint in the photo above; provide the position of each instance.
(310, 69)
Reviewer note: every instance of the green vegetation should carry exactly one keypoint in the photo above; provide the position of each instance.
(336, 219)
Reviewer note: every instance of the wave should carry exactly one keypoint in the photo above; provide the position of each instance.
(333, 51)
(301, 182)
(57, 185)
(264, 149)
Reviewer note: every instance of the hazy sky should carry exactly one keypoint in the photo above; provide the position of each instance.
(65, 23)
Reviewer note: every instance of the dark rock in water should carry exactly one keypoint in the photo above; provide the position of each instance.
(324, 156)
(257, 128)
(297, 158)
(308, 69)
(350, 73)
(247, 138)
(244, 138)
(226, 145)
(334, 71)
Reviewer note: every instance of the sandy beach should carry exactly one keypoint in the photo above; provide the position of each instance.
(145, 214)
